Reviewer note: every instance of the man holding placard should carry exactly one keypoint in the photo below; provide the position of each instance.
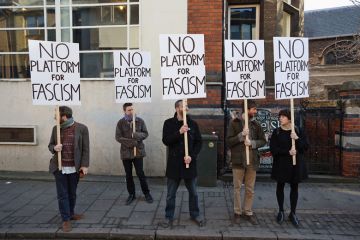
(131, 140)
(74, 161)
(237, 141)
(245, 79)
(173, 137)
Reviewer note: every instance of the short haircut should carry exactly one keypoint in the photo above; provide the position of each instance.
(177, 103)
(65, 111)
(286, 113)
(127, 105)
(250, 104)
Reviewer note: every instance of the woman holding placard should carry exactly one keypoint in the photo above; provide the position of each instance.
(283, 170)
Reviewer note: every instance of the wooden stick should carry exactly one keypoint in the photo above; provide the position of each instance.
(246, 118)
(184, 102)
(292, 128)
(58, 139)
(134, 129)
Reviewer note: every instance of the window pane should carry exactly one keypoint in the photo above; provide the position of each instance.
(19, 18)
(101, 38)
(134, 0)
(100, 15)
(134, 38)
(51, 35)
(17, 40)
(14, 66)
(21, 2)
(243, 23)
(134, 14)
(65, 17)
(96, 65)
(51, 17)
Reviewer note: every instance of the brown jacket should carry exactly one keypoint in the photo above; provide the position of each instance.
(236, 143)
(124, 135)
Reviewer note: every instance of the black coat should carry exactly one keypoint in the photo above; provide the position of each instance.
(283, 169)
(175, 167)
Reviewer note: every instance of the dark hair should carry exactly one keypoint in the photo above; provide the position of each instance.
(65, 111)
(286, 113)
(250, 104)
(126, 105)
(177, 103)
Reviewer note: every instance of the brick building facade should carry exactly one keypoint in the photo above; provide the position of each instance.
(212, 18)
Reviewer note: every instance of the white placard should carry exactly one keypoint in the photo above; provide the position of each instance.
(291, 67)
(182, 59)
(244, 69)
(55, 73)
(132, 71)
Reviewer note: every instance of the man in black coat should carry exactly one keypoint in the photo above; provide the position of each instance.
(173, 137)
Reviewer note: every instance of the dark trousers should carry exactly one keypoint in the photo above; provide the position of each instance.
(172, 186)
(138, 164)
(66, 185)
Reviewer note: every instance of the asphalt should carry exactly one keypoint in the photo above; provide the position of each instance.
(328, 208)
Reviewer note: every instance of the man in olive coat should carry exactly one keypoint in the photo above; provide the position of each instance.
(236, 139)
(173, 137)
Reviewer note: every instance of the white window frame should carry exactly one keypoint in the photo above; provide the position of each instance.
(58, 27)
(34, 142)
(257, 18)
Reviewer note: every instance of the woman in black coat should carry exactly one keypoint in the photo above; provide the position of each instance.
(283, 170)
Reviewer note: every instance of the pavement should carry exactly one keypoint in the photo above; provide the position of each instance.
(28, 210)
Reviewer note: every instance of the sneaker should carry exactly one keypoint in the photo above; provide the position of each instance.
(130, 199)
(280, 217)
(199, 221)
(252, 219)
(294, 219)
(149, 198)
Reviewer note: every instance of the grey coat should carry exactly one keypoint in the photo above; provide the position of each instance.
(124, 135)
(81, 148)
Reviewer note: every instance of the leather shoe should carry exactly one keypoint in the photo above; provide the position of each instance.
(168, 223)
(237, 215)
(252, 219)
(200, 222)
(77, 217)
(66, 226)
(149, 198)
(294, 219)
(130, 199)
(280, 217)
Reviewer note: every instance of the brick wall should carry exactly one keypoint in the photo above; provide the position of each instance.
(350, 147)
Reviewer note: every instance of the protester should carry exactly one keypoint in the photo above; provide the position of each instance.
(283, 170)
(75, 153)
(173, 137)
(129, 141)
(236, 139)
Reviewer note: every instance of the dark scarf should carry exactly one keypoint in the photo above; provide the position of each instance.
(67, 123)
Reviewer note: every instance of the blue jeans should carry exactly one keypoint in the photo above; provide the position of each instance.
(66, 185)
(172, 186)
